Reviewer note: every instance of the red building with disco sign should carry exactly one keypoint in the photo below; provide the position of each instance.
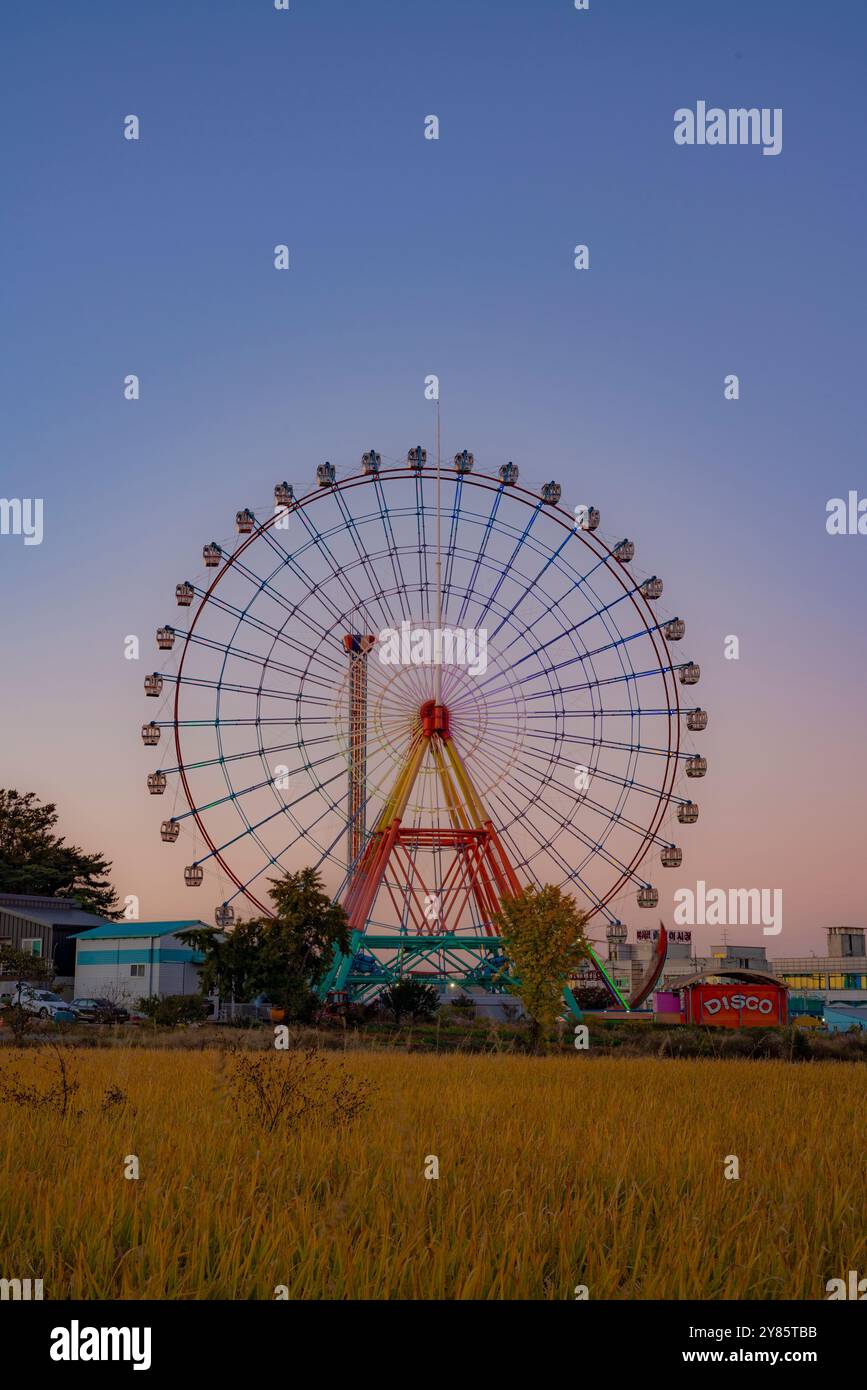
(744, 999)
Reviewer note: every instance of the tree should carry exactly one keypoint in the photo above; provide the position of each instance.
(33, 859)
(543, 935)
(283, 957)
(412, 997)
(20, 965)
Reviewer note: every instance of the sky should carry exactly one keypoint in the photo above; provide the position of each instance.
(453, 256)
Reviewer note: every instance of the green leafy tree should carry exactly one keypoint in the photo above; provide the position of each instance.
(410, 998)
(33, 859)
(283, 957)
(543, 934)
(21, 965)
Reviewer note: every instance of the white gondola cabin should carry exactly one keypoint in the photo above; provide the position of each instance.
(651, 588)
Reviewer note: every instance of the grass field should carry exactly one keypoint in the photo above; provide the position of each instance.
(553, 1172)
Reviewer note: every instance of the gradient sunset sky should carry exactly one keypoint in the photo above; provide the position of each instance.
(453, 257)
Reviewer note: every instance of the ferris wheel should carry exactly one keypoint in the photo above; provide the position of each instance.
(435, 686)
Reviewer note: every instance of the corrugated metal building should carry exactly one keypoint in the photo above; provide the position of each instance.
(45, 927)
(128, 961)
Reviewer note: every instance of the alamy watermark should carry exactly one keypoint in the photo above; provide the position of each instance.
(846, 516)
(738, 125)
(737, 907)
(20, 1289)
(437, 646)
(77, 1343)
(22, 516)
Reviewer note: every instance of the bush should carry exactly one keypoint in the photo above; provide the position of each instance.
(463, 1006)
(171, 1010)
(293, 1088)
(409, 997)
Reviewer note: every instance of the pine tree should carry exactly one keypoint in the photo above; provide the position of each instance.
(35, 860)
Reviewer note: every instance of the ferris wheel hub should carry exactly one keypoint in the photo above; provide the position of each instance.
(434, 719)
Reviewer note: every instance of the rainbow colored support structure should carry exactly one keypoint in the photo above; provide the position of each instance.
(479, 874)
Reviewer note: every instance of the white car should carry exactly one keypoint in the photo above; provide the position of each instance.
(44, 1003)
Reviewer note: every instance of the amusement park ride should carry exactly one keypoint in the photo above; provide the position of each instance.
(429, 788)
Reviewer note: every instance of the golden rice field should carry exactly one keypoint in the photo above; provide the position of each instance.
(552, 1173)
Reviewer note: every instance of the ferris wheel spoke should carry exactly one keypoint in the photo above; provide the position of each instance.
(424, 584)
(263, 585)
(629, 784)
(486, 535)
(236, 795)
(243, 655)
(566, 826)
(533, 583)
(558, 636)
(613, 744)
(391, 545)
(572, 875)
(377, 593)
(451, 543)
(611, 712)
(626, 677)
(249, 753)
(588, 654)
(266, 820)
(480, 617)
(236, 688)
(333, 564)
(269, 630)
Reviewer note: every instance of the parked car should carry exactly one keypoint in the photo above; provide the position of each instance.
(100, 1011)
(45, 1004)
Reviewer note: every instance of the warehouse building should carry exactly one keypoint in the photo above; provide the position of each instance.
(128, 961)
(45, 928)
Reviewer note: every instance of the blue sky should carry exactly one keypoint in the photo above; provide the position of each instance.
(408, 257)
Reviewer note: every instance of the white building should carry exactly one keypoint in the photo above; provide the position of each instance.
(128, 961)
(839, 976)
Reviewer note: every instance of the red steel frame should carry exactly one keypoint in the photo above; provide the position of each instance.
(480, 867)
